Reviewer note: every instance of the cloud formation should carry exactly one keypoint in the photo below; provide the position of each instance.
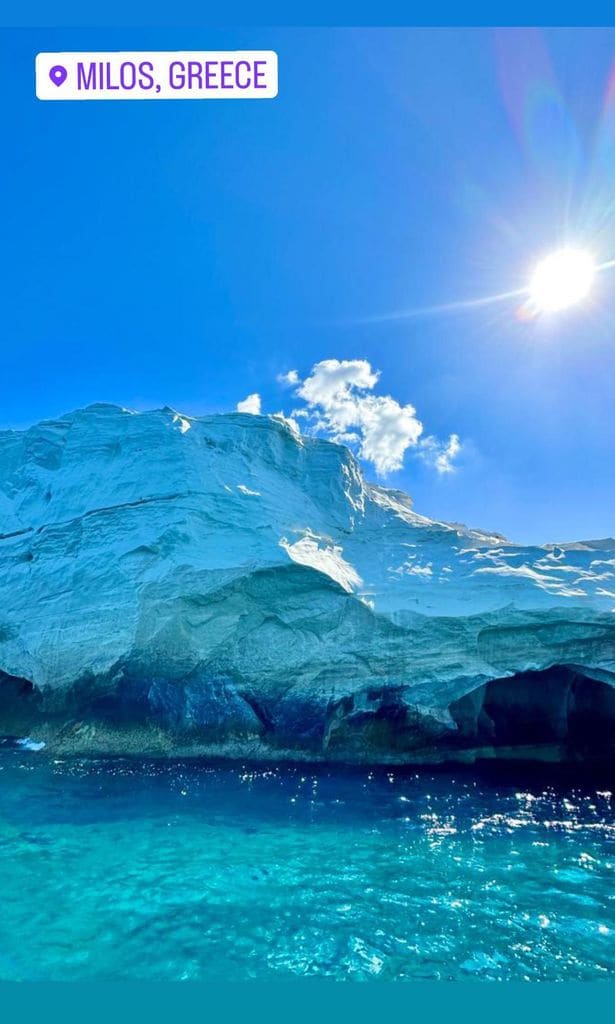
(289, 379)
(251, 404)
(341, 403)
(441, 454)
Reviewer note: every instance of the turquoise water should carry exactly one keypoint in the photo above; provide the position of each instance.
(164, 870)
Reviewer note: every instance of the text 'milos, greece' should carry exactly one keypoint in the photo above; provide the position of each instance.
(215, 74)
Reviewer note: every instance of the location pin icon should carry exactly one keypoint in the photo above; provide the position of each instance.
(58, 74)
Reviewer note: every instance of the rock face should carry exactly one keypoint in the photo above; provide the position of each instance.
(221, 585)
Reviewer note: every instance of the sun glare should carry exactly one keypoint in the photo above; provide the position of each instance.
(561, 280)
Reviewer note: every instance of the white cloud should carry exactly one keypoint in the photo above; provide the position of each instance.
(338, 396)
(444, 461)
(289, 379)
(250, 404)
(333, 381)
(441, 454)
(340, 403)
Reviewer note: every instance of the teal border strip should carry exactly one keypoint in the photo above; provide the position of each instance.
(308, 1001)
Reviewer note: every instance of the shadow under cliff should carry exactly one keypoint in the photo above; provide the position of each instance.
(560, 715)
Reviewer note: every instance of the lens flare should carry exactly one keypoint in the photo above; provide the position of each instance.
(561, 279)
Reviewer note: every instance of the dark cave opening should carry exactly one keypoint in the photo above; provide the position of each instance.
(557, 707)
(19, 703)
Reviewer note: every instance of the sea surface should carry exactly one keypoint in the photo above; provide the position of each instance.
(118, 869)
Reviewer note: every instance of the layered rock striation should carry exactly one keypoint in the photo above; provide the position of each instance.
(222, 585)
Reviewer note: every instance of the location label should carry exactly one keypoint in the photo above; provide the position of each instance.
(181, 75)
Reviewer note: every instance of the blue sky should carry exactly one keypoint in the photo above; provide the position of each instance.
(189, 253)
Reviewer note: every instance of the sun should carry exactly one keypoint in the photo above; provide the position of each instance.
(561, 279)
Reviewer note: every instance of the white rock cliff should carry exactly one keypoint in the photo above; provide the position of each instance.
(219, 584)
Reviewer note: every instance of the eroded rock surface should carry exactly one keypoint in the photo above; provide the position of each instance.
(221, 585)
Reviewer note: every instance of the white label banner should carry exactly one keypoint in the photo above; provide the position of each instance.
(199, 75)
